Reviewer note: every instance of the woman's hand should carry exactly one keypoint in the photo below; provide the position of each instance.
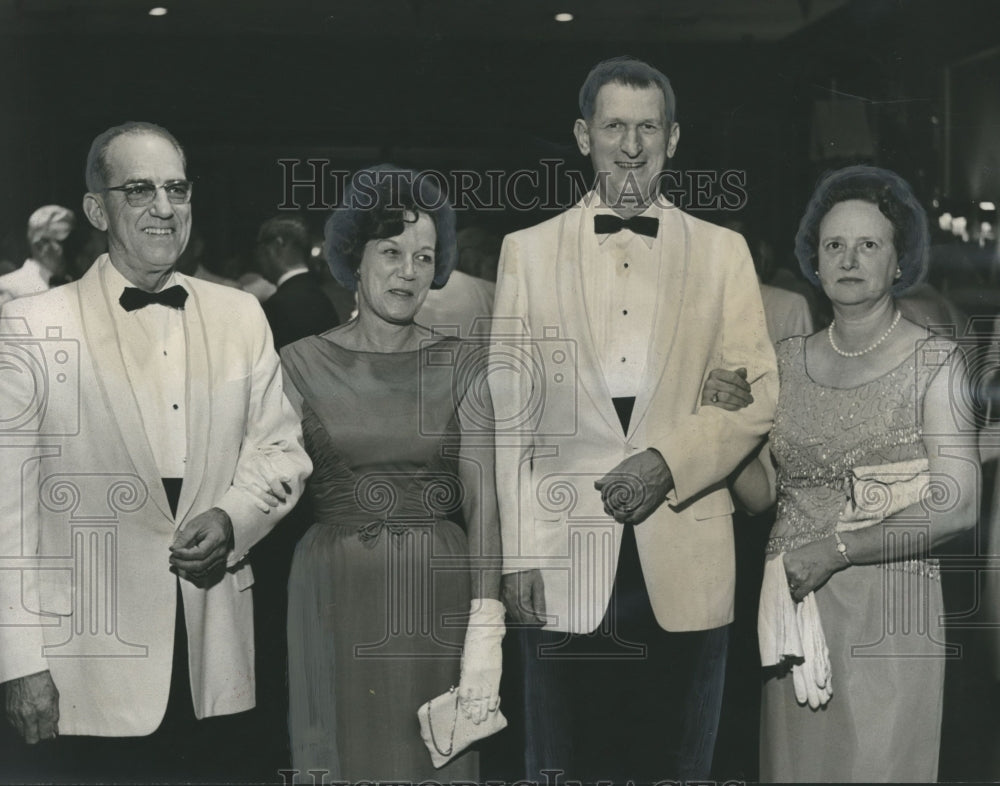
(482, 660)
(809, 567)
(727, 389)
(266, 475)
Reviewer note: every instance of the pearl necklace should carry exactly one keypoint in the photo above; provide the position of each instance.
(883, 337)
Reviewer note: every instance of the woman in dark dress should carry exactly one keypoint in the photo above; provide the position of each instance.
(405, 537)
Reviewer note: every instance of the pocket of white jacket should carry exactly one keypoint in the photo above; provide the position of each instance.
(244, 576)
(718, 503)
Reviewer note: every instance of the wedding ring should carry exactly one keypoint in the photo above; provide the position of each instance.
(715, 397)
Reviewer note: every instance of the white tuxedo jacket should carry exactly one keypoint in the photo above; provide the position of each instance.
(85, 525)
(558, 431)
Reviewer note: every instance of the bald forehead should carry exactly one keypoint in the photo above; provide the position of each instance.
(143, 156)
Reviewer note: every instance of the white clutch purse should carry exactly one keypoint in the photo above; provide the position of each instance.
(875, 493)
(447, 731)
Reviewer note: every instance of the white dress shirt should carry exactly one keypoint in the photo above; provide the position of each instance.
(620, 275)
(153, 344)
(295, 271)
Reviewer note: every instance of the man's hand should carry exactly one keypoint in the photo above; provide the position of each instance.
(636, 487)
(199, 550)
(33, 706)
(727, 389)
(523, 594)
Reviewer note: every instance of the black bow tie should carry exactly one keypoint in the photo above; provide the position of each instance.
(133, 298)
(605, 224)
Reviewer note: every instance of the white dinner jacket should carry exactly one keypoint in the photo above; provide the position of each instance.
(708, 315)
(85, 506)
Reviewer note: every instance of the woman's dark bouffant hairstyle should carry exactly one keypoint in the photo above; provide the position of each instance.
(893, 197)
(377, 204)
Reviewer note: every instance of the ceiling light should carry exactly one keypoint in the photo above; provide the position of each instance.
(987, 206)
(564, 17)
(158, 11)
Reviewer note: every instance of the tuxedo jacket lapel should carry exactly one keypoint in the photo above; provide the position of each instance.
(197, 404)
(102, 344)
(674, 258)
(573, 310)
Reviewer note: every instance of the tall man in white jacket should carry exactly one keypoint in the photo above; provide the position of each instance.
(616, 522)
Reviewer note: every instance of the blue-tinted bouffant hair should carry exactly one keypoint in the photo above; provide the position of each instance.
(378, 203)
(628, 71)
(896, 201)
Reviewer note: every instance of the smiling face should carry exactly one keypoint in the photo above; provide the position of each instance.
(396, 272)
(857, 256)
(629, 139)
(143, 242)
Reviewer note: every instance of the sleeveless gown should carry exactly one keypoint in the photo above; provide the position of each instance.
(882, 622)
(379, 586)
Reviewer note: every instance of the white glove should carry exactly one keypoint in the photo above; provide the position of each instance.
(777, 621)
(482, 660)
(265, 474)
(812, 678)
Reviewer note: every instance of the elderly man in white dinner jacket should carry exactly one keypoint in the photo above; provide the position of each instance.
(161, 449)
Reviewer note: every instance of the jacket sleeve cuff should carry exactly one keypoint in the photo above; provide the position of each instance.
(244, 514)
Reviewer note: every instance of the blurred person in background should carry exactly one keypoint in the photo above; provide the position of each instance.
(468, 295)
(298, 307)
(48, 265)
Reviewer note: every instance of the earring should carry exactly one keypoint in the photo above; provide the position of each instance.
(899, 273)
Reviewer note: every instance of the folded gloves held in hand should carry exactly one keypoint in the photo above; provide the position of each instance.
(793, 631)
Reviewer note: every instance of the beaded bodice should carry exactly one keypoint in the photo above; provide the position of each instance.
(821, 433)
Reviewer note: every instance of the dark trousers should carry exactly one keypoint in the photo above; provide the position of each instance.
(222, 749)
(629, 702)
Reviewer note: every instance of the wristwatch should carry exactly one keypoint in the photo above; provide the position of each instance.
(842, 548)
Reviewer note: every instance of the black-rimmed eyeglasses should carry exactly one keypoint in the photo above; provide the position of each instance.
(140, 193)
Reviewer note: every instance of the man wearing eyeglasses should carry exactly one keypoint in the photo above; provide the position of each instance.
(164, 450)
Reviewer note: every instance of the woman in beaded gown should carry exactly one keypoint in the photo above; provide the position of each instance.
(406, 528)
(872, 389)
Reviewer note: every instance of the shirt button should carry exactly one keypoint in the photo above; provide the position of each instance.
(626, 264)
(176, 407)
(625, 311)
(623, 360)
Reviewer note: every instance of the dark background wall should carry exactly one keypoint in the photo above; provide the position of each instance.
(240, 98)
